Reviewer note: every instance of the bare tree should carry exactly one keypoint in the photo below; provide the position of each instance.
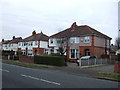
(62, 45)
(117, 42)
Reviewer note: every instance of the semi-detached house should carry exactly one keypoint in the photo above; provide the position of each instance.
(11, 45)
(82, 41)
(35, 44)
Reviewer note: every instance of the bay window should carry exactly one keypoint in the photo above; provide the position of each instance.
(74, 53)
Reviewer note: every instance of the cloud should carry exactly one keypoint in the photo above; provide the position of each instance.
(21, 17)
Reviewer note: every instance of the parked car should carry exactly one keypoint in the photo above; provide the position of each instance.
(88, 57)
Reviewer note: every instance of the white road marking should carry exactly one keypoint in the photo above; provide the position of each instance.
(50, 81)
(30, 77)
(4, 70)
(40, 79)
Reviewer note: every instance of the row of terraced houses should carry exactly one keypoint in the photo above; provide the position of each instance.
(78, 40)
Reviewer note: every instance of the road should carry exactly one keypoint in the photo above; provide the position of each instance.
(21, 77)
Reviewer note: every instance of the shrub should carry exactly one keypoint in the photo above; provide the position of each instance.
(50, 60)
(55, 54)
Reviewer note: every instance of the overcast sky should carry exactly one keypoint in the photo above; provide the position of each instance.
(20, 17)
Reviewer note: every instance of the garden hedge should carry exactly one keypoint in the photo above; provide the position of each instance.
(50, 60)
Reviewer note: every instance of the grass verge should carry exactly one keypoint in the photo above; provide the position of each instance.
(24, 64)
(109, 75)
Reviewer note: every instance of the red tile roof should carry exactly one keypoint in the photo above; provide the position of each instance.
(34, 37)
(15, 40)
(79, 31)
(6, 41)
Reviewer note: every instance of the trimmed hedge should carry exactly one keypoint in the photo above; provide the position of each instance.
(50, 60)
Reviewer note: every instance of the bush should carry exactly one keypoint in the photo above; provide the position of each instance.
(55, 54)
(50, 60)
(16, 57)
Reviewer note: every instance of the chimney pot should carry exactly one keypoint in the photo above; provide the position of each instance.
(33, 33)
(73, 26)
(13, 37)
(2, 40)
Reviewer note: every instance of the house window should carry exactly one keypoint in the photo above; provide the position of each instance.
(22, 43)
(19, 44)
(36, 43)
(31, 43)
(28, 43)
(8, 45)
(86, 39)
(51, 40)
(23, 52)
(87, 52)
(5, 45)
(60, 41)
(52, 50)
(74, 53)
(29, 52)
(74, 40)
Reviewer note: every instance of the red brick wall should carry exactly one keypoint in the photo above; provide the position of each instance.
(28, 59)
(117, 67)
(82, 50)
(98, 51)
(40, 51)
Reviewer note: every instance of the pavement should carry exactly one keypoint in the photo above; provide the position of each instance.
(14, 76)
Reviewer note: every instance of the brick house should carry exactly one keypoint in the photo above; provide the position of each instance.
(35, 44)
(82, 41)
(11, 45)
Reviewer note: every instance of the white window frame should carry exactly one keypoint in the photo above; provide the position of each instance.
(36, 43)
(76, 53)
(87, 39)
(51, 41)
(74, 40)
(30, 52)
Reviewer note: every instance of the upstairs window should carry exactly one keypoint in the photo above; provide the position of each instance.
(51, 41)
(36, 43)
(19, 44)
(5, 45)
(86, 39)
(31, 43)
(74, 40)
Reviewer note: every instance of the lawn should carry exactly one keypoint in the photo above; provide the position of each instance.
(109, 75)
(25, 64)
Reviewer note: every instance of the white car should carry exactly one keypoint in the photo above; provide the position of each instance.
(88, 57)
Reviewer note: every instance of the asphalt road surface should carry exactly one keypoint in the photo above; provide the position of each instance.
(21, 77)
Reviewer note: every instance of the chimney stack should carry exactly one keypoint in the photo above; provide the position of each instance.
(13, 37)
(33, 33)
(73, 26)
(2, 40)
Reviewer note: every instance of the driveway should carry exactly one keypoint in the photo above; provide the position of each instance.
(86, 71)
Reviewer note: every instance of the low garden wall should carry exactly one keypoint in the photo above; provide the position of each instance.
(47, 60)
(117, 65)
(27, 59)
